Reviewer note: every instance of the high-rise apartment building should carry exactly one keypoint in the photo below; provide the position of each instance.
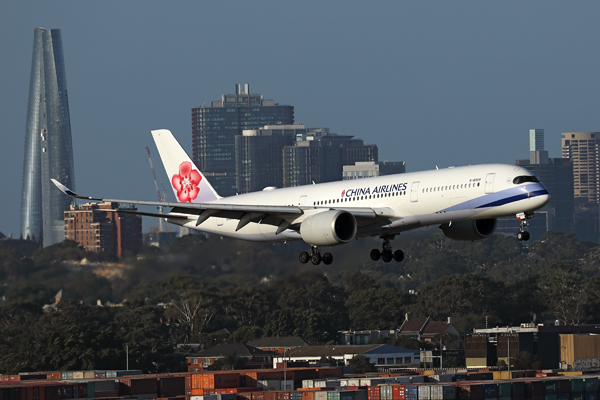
(259, 156)
(96, 229)
(48, 147)
(319, 156)
(582, 149)
(214, 130)
(369, 169)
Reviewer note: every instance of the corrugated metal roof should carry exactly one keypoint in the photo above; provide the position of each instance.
(222, 350)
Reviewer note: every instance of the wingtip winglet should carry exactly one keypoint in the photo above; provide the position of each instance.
(64, 189)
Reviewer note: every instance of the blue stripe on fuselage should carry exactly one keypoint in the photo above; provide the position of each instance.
(501, 198)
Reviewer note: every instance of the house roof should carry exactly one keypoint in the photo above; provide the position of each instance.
(413, 325)
(286, 341)
(223, 349)
(435, 327)
(340, 350)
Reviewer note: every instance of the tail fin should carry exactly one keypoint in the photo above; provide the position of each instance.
(188, 183)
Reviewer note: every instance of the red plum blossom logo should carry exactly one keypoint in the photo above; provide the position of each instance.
(186, 183)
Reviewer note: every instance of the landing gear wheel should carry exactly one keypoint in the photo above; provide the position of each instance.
(375, 254)
(387, 256)
(315, 258)
(327, 258)
(303, 257)
(526, 236)
(520, 236)
(398, 255)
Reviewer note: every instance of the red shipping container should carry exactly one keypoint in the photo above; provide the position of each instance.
(82, 390)
(258, 395)
(398, 392)
(270, 395)
(373, 393)
(56, 376)
(188, 381)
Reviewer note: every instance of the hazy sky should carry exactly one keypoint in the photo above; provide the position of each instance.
(430, 82)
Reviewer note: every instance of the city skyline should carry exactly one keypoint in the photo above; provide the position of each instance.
(433, 84)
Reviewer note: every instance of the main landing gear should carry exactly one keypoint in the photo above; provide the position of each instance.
(386, 253)
(315, 256)
(523, 217)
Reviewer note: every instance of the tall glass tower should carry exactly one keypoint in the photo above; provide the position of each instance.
(48, 147)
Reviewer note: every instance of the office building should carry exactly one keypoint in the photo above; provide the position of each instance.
(582, 149)
(97, 229)
(214, 130)
(319, 156)
(48, 147)
(259, 156)
(368, 169)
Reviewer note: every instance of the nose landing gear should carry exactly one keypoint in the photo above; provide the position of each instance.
(523, 235)
(386, 253)
(315, 256)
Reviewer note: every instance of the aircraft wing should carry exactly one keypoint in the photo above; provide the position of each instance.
(281, 216)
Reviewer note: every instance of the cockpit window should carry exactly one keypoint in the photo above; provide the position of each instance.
(525, 178)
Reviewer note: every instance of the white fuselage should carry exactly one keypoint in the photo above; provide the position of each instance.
(415, 199)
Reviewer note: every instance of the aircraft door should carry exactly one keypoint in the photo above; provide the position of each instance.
(489, 183)
(414, 191)
(302, 200)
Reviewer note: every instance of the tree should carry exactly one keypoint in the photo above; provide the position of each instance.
(229, 362)
(361, 364)
(526, 360)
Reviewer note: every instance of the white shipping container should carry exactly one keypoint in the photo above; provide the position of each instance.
(371, 381)
(321, 395)
(353, 382)
(287, 385)
(269, 385)
(308, 383)
(344, 382)
(424, 392)
(207, 397)
(320, 383)
(443, 392)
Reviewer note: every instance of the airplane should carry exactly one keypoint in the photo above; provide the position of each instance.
(464, 201)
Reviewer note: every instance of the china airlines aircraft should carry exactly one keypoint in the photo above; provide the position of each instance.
(463, 201)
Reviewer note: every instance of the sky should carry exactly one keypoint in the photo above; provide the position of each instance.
(432, 83)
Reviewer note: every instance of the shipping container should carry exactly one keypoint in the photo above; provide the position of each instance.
(398, 392)
(590, 384)
(269, 384)
(577, 396)
(308, 395)
(373, 393)
(106, 385)
(57, 392)
(417, 379)
(386, 392)
(220, 380)
(341, 395)
(329, 372)
(131, 386)
(321, 395)
(442, 392)
(471, 391)
(371, 381)
(424, 392)
(171, 386)
(411, 392)
(254, 376)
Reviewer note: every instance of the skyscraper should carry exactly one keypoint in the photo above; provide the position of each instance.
(48, 147)
(214, 130)
(582, 149)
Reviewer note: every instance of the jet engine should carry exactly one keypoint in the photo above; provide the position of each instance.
(328, 228)
(470, 230)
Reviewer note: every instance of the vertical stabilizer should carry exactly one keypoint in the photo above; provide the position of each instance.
(188, 183)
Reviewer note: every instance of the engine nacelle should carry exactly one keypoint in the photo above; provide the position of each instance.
(328, 228)
(470, 230)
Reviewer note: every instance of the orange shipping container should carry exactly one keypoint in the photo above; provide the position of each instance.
(220, 380)
(398, 392)
(308, 395)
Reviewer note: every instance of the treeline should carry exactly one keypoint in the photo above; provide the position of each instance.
(197, 286)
